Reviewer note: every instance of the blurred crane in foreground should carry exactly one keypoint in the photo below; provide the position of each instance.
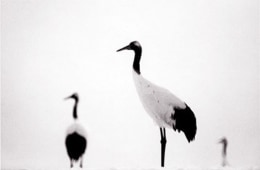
(76, 139)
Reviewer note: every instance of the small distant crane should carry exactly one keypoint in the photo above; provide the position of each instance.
(224, 142)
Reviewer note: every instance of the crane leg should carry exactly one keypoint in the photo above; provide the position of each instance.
(163, 145)
(81, 162)
(71, 163)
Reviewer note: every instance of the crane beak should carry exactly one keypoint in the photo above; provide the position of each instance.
(124, 48)
(220, 141)
(68, 98)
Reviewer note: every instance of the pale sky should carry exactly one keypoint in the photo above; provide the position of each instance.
(205, 52)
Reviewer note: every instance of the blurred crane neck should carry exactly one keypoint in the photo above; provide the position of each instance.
(75, 115)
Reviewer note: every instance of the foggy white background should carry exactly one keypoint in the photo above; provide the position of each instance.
(205, 52)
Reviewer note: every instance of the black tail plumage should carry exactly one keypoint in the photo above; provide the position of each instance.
(185, 121)
(76, 145)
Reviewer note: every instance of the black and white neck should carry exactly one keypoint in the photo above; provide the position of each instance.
(76, 98)
(136, 47)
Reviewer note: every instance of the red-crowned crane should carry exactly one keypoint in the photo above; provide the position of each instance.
(76, 139)
(224, 142)
(166, 109)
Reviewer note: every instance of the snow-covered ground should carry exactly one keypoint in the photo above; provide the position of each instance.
(166, 168)
(190, 168)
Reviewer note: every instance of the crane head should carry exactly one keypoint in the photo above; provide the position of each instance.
(135, 45)
(73, 96)
(223, 140)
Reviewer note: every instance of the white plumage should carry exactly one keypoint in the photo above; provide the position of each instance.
(77, 127)
(157, 101)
